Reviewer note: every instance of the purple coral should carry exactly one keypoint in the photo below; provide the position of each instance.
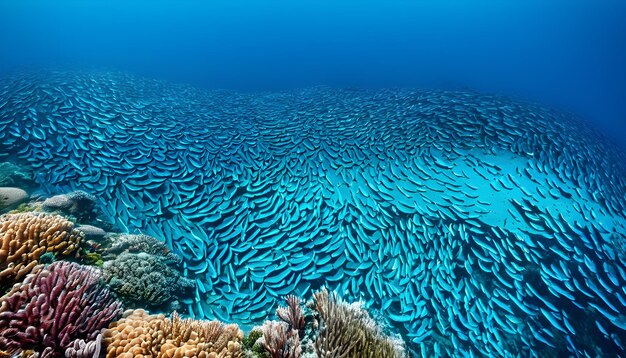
(55, 308)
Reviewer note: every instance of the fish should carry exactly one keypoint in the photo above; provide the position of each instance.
(481, 218)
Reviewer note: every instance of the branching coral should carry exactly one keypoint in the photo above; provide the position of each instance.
(25, 237)
(280, 341)
(347, 330)
(142, 335)
(85, 349)
(60, 308)
(145, 279)
(293, 314)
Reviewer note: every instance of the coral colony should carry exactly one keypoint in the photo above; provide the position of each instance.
(339, 223)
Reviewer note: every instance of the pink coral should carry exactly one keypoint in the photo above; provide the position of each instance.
(280, 341)
(57, 308)
(293, 314)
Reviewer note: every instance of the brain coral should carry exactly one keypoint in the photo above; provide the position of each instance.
(154, 336)
(26, 236)
(58, 310)
(145, 279)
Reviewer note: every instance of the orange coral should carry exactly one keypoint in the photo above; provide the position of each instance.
(142, 335)
(26, 236)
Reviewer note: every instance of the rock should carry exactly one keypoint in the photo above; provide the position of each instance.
(11, 197)
(57, 202)
(92, 232)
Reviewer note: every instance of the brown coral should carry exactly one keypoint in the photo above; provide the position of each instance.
(142, 335)
(26, 236)
(292, 314)
(348, 331)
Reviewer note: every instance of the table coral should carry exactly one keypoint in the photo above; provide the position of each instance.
(26, 236)
(139, 334)
(58, 310)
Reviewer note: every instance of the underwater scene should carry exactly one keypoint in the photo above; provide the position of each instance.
(335, 179)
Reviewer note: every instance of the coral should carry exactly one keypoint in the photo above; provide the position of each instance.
(280, 341)
(62, 307)
(346, 330)
(92, 232)
(24, 207)
(25, 237)
(141, 243)
(77, 203)
(292, 314)
(11, 353)
(249, 341)
(47, 258)
(145, 279)
(143, 271)
(93, 258)
(139, 334)
(83, 349)
(11, 197)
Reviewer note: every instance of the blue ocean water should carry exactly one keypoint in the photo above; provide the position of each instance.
(417, 156)
(567, 54)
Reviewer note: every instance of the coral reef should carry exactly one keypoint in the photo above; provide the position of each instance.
(61, 310)
(338, 329)
(428, 205)
(11, 197)
(57, 311)
(77, 203)
(25, 237)
(347, 330)
(144, 280)
(139, 334)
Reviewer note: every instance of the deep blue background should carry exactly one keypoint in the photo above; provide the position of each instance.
(564, 53)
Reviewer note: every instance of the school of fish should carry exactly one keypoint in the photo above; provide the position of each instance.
(476, 224)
